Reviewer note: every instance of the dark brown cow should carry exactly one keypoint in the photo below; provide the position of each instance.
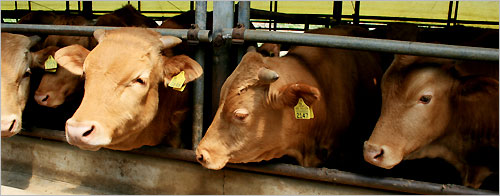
(255, 120)
(127, 103)
(438, 108)
(55, 87)
(66, 40)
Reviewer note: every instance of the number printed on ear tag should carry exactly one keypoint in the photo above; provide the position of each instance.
(302, 111)
(177, 81)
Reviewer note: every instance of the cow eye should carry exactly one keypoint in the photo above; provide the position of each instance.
(139, 81)
(27, 73)
(241, 114)
(425, 99)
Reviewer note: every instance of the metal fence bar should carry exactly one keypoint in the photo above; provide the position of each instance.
(317, 174)
(203, 35)
(370, 44)
(223, 17)
(199, 84)
(244, 19)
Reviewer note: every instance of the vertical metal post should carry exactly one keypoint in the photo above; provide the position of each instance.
(243, 18)
(456, 14)
(87, 9)
(200, 19)
(355, 18)
(79, 6)
(15, 5)
(275, 11)
(223, 17)
(191, 5)
(306, 23)
(337, 12)
(139, 6)
(67, 7)
(450, 9)
(270, 10)
(29, 5)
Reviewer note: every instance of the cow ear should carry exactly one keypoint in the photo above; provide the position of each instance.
(39, 57)
(99, 34)
(33, 40)
(174, 65)
(170, 41)
(474, 87)
(72, 58)
(288, 95)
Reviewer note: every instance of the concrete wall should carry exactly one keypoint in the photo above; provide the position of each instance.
(45, 167)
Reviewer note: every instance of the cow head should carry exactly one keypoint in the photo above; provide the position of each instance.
(16, 62)
(419, 98)
(255, 114)
(122, 77)
(55, 87)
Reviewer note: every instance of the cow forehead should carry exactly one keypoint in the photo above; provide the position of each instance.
(15, 55)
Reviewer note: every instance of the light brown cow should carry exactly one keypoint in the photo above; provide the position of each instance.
(438, 108)
(16, 63)
(55, 87)
(255, 120)
(125, 104)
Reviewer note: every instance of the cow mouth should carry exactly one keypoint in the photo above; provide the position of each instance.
(380, 155)
(211, 161)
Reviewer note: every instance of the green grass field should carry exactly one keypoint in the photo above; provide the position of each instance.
(468, 10)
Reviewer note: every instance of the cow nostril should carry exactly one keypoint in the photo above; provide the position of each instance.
(12, 125)
(46, 98)
(380, 154)
(89, 131)
(199, 158)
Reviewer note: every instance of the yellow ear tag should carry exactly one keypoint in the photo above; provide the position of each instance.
(177, 81)
(180, 89)
(302, 111)
(50, 64)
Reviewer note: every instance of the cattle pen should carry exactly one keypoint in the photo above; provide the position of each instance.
(161, 170)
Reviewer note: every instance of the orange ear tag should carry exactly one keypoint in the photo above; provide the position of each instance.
(50, 64)
(177, 82)
(302, 111)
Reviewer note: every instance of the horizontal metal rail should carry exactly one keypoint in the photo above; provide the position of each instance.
(203, 35)
(317, 174)
(370, 44)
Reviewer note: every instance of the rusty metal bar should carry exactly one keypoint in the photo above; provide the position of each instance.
(203, 35)
(370, 44)
(317, 174)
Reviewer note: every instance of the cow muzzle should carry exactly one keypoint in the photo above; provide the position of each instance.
(209, 161)
(379, 155)
(11, 125)
(87, 135)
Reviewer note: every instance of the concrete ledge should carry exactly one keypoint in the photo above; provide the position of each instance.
(28, 163)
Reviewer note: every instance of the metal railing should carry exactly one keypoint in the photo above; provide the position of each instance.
(318, 174)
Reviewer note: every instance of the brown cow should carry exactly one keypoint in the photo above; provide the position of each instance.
(438, 108)
(66, 40)
(17, 61)
(55, 87)
(125, 104)
(255, 120)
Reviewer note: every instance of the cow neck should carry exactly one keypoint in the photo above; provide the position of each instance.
(165, 125)
(308, 133)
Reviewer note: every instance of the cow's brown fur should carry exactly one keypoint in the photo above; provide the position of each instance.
(132, 114)
(332, 81)
(460, 124)
(55, 87)
(66, 40)
(16, 63)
